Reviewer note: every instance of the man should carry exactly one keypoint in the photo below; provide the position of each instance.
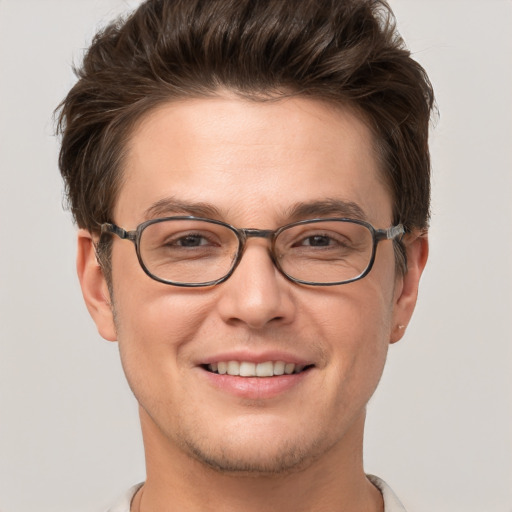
(251, 184)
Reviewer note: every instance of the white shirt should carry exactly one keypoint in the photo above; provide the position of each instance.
(391, 502)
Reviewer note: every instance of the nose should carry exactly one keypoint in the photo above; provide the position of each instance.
(256, 294)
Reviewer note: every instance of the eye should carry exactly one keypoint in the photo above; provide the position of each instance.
(316, 241)
(321, 240)
(189, 240)
(185, 241)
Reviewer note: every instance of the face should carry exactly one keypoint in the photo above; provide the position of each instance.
(251, 165)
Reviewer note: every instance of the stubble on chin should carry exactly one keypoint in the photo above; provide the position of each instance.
(289, 458)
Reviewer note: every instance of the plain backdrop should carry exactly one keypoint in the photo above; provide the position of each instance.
(440, 425)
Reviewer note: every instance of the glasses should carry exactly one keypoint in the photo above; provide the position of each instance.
(193, 252)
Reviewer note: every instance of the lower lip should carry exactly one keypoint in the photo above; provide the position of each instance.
(255, 388)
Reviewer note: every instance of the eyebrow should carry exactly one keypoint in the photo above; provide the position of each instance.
(329, 207)
(169, 206)
(326, 207)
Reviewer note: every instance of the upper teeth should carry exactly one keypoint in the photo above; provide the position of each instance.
(247, 369)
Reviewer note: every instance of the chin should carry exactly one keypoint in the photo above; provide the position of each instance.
(250, 458)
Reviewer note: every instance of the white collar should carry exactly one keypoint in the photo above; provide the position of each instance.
(391, 502)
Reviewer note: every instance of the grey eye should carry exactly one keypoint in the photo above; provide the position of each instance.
(191, 241)
(317, 241)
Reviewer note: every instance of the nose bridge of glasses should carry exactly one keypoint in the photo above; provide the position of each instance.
(247, 233)
(257, 233)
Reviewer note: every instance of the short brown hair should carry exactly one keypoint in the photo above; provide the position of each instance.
(343, 51)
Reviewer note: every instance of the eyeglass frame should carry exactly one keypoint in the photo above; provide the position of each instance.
(243, 234)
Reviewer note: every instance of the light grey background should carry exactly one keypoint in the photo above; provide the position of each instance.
(440, 425)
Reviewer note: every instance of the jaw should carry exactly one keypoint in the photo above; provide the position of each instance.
(258, 444)
(191, 476)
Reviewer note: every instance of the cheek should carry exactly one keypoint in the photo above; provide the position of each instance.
(357, 324)
(158, 322)
(354, 313)
(154, 336)
(155, 326)
(146, 310)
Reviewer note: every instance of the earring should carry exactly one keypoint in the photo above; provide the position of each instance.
(401, 327)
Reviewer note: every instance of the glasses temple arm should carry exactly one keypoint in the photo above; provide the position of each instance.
(107, 227)
(390, 233)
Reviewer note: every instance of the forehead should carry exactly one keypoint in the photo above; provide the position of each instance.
(250, 159)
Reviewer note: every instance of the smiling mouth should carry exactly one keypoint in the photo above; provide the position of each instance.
(248, 369)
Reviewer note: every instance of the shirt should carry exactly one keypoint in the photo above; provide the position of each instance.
(391, 502)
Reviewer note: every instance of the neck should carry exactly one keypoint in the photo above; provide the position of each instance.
(176, 481)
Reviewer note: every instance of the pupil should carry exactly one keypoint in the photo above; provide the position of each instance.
(191, 241)
(318, 240)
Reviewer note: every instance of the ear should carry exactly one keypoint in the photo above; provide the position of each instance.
(94, 286)
(406, 289)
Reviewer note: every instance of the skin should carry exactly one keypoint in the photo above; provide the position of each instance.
(208, 448)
